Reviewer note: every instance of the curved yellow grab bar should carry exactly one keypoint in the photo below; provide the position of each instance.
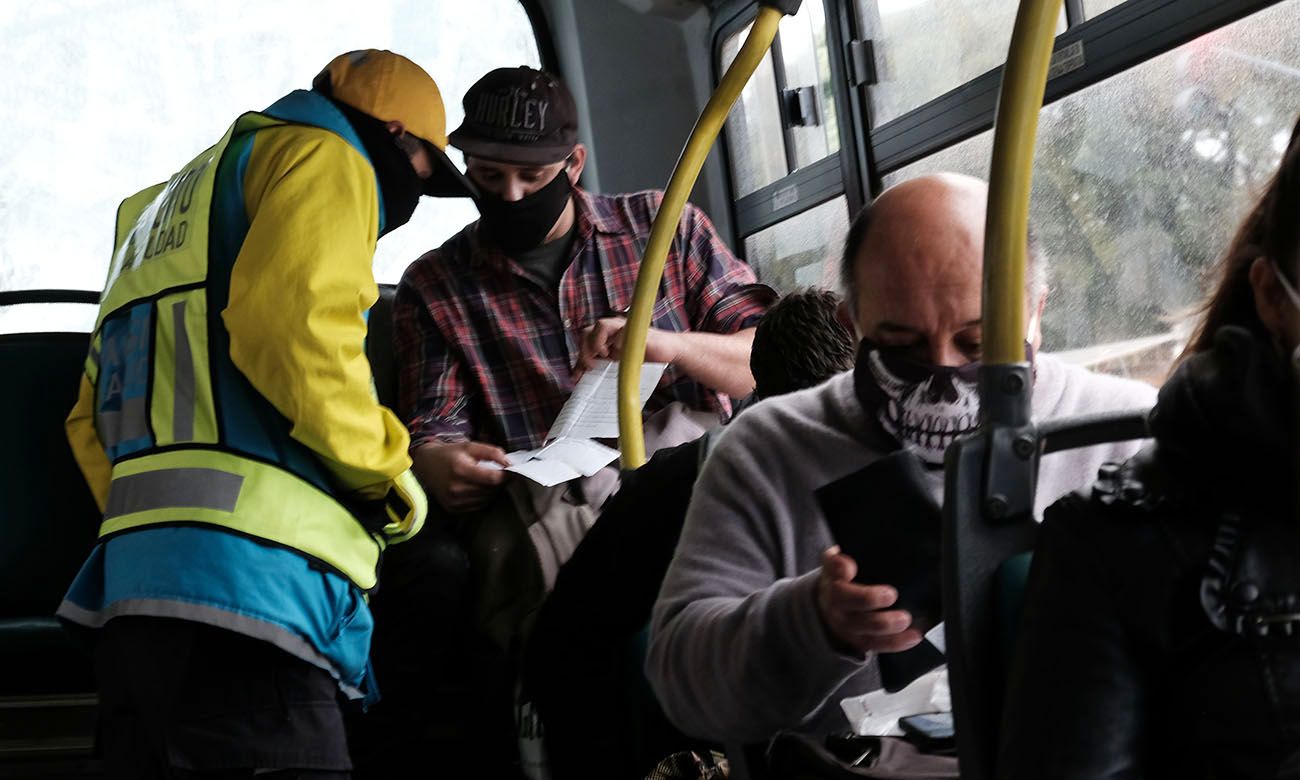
(631, 435)
(1024, 81)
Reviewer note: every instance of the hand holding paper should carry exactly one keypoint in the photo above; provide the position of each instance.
(590, 413)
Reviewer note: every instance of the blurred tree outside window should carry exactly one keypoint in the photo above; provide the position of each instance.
(1140, 180)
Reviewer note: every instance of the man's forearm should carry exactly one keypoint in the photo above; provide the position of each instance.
(717, 361)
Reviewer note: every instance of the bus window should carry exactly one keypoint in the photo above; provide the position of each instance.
(784, 148)
(928, 47)
(1139, 180)
(115, 97)
(802, 251)
(805, 61)
(1097, 7)
(754, 126)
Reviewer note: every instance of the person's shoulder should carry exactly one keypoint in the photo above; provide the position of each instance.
(298, 144)
(623, 211)
(811, 422)
(644, 201)
(1074, 390)
(442, 265)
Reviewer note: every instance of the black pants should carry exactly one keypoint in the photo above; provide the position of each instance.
(583, 666)
(446, 691)
(180, 699)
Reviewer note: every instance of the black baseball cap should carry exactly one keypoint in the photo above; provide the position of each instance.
(521, 116)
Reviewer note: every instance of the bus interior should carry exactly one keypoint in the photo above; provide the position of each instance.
(1160, 120)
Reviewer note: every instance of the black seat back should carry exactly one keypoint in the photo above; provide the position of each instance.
(984, 563)
(48, 519)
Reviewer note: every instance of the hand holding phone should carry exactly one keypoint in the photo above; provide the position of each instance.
(861, 618)
(885, 519)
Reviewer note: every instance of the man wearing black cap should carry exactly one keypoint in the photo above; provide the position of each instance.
(492, 331)
(494, 326)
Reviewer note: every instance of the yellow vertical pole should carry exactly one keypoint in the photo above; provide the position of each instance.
(1024, 83)
(631, 435)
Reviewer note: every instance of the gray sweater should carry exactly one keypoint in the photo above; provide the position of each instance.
(737, 649)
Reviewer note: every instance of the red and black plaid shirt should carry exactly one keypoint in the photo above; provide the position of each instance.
(487, 351)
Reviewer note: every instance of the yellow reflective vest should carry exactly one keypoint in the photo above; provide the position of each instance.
(227, 384)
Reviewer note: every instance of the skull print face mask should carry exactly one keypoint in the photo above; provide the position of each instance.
(921, 406)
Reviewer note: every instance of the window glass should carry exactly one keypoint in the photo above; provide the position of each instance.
(925, 48)
(1098, 7)
(115, 97)
(807, 64)
(754, 138)
(1139, 182)
(802, 251)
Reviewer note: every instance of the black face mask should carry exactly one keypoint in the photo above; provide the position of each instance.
(522, 224)
(400, 187)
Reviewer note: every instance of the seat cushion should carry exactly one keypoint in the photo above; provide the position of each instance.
(39, 657)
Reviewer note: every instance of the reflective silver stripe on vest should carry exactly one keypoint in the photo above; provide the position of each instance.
(183, 387)
(94, 357)
(125, 425)
(174, 489)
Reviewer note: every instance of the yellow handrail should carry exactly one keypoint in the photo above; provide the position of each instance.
(1024, 81)
(631, 435)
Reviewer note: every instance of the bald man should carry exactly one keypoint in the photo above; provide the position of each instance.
(758, 627)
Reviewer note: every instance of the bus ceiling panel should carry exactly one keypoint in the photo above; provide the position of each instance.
(801, 190)
(1091, 52)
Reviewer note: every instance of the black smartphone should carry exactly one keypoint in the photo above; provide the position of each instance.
(930, 732)
(886, 519)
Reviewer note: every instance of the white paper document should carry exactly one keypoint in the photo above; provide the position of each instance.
(562, 460)
(590, 413)
(876, 714)
(938, 638)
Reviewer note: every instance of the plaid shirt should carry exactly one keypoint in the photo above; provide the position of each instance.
(487, 351)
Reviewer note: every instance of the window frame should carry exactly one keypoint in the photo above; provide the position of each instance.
(1117, 40)
(546, 50)
(804, 188)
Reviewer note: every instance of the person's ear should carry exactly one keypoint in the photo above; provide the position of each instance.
(1271, 302)
(576, 162)
(844, 316)
(1035, 334)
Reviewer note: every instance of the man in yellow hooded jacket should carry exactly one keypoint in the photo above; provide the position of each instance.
(228, 428)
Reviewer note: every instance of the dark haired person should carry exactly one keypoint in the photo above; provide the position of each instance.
(493, 327)
(1161, 629)
(492, 330)
(580, 658)
(759, 626)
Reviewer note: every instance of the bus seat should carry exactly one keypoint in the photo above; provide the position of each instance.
(48, 518)
(379, 346)
(1013, 578)
(987, 556)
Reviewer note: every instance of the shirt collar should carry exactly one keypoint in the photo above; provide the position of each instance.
(587, 219)
(587, 211)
